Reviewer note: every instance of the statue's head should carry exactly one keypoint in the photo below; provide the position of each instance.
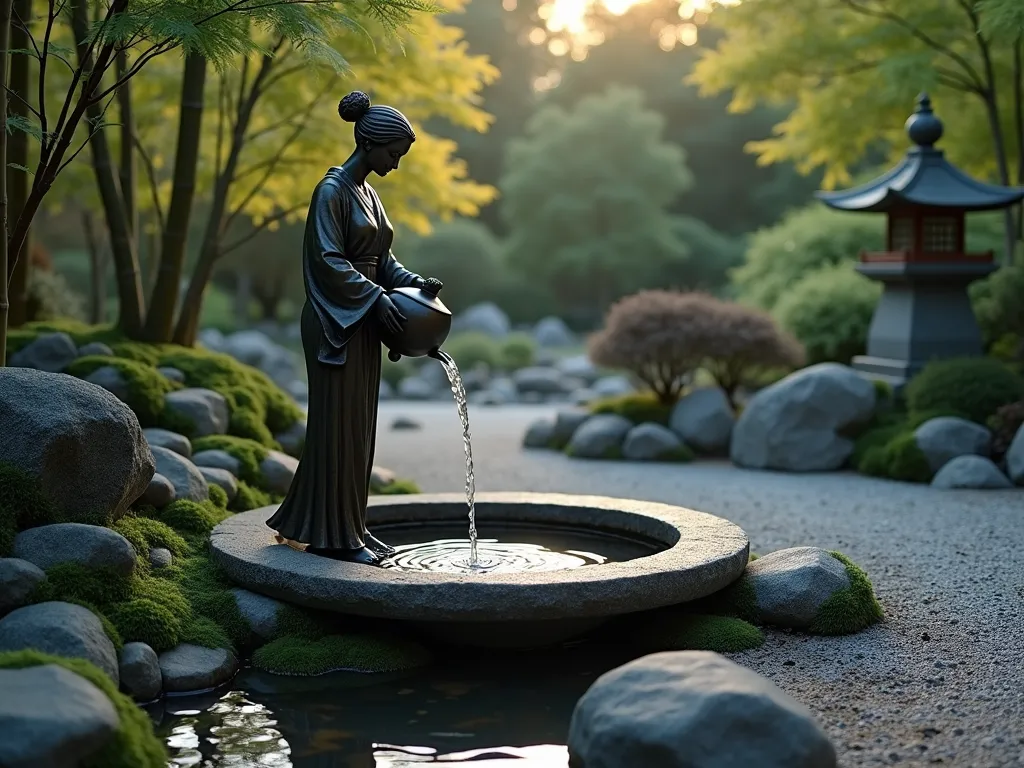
(382, 132)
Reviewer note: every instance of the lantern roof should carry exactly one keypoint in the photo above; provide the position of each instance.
(923, 178)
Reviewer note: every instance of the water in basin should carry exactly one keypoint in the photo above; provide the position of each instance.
(507, 548)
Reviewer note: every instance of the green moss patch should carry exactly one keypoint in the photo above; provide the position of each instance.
(852, 609)
(250, 498)
(22, 505)
(638, 407)
(219, 497)
(974, 387)
(888, 448)
(248, 452)
(145, 621)
(678, 631)
(99, 586)
(192, 517)
(737, 600)
(208, 592)
(398, 488)
(145, 534)
(133, 744)
(145, 386)
(292, 655)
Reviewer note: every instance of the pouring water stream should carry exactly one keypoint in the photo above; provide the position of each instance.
(461, 401)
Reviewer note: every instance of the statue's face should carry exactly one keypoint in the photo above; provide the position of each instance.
(384, 158)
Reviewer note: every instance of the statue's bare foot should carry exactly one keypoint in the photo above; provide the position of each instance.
(377, 546)
(363, 555)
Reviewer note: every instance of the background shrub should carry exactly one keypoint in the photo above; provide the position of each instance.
(1005, 423)
(829, 310)
(472, 349)
(517, 351)
(999, 306)
(973, 387)
(638, 407)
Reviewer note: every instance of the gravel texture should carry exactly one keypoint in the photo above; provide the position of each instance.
(941, 681)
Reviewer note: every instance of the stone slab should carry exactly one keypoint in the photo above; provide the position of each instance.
(703, 554)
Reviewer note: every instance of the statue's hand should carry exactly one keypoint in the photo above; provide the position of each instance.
(388, 314)
(431, 285)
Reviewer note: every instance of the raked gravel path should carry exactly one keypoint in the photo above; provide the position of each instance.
(941, 681)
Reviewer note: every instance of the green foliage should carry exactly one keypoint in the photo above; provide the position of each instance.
(51, 297)
(566, 176)
(73, 581)
(22, 505)
(473, 349)
(133, 745)
(897, 459)
(849, 610)
(399, 487)
(679, 455)
(248, 452)
(142, 620)
(517, 351)
(146, 533)
(997, 304)
(165, 592)
(249, 498)
(973, 387)
(638, 407)
(1005, 423)
(292, 655)
(806, 240)
(208, 592)
(218, 496)
(393, 373)
(678, 631)
(205, 633)
(829, 310)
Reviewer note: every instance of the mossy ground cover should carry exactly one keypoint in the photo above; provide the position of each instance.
(638, 407)
(679, 630)
(887, 448)
(133, 744)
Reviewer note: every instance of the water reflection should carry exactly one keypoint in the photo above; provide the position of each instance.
(469, 710)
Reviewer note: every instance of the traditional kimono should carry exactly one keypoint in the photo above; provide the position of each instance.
(347, 263)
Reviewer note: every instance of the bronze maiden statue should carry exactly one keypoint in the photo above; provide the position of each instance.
(348, 270)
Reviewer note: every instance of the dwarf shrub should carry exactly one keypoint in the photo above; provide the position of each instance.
(973, 387)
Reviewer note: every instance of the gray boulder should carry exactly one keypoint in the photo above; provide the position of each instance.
(650, 442)
(704, 420)
(539, 380)
(18, 580)
(218, 459)
(171, 374)
(91, 546)
(95, 348)
(539, 434)
(61, 629)
(693, 709)
(567, 421)
(486, 317)
(250, 346)
(417, 388)
(405, 423)
(293, 438)
(52, 718)
(553, 332)
(599, 437)
(793, 424)
(172, 441)
(971, 472)
(83, 444)
(947, 437)
(205, 409)
(111, 379)
(140, 672)
(188, 482)
(1015, 458)
(278, 471)
(259, 612)
(386, 392)
(612, 386)
(222, 478)
(51, 352)
(212, 339)
(159, 493)
(189, 668)
(578, 367)
(160, 557)
(791, 585)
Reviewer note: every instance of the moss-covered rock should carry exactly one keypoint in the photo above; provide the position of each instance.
(250, 498)
(133, 745)
(399, 487)
(638, 407)
(192, 517)
(22, 505)
(248, 452)
(146, 533)
(145, 621)
(145, 386)
(852, 609)
(73, 581)
(675, 630)
(293, 655)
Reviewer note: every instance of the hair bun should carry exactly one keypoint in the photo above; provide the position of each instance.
(353, 106)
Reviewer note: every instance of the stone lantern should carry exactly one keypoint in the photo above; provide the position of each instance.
(925, 312)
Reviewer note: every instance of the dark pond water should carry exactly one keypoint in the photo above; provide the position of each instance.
(507, 548)
(491, 711)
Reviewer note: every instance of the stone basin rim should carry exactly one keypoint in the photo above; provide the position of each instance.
(703, 554)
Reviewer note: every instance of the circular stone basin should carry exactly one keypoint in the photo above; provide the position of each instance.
(654, 555)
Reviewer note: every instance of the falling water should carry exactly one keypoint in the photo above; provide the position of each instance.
(459, 391)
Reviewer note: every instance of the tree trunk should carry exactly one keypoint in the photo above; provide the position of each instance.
(126, 171)
(126, 263)
(160, 321)
(97, 294)
(188, 320)
(5, 40)
(17, 154)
